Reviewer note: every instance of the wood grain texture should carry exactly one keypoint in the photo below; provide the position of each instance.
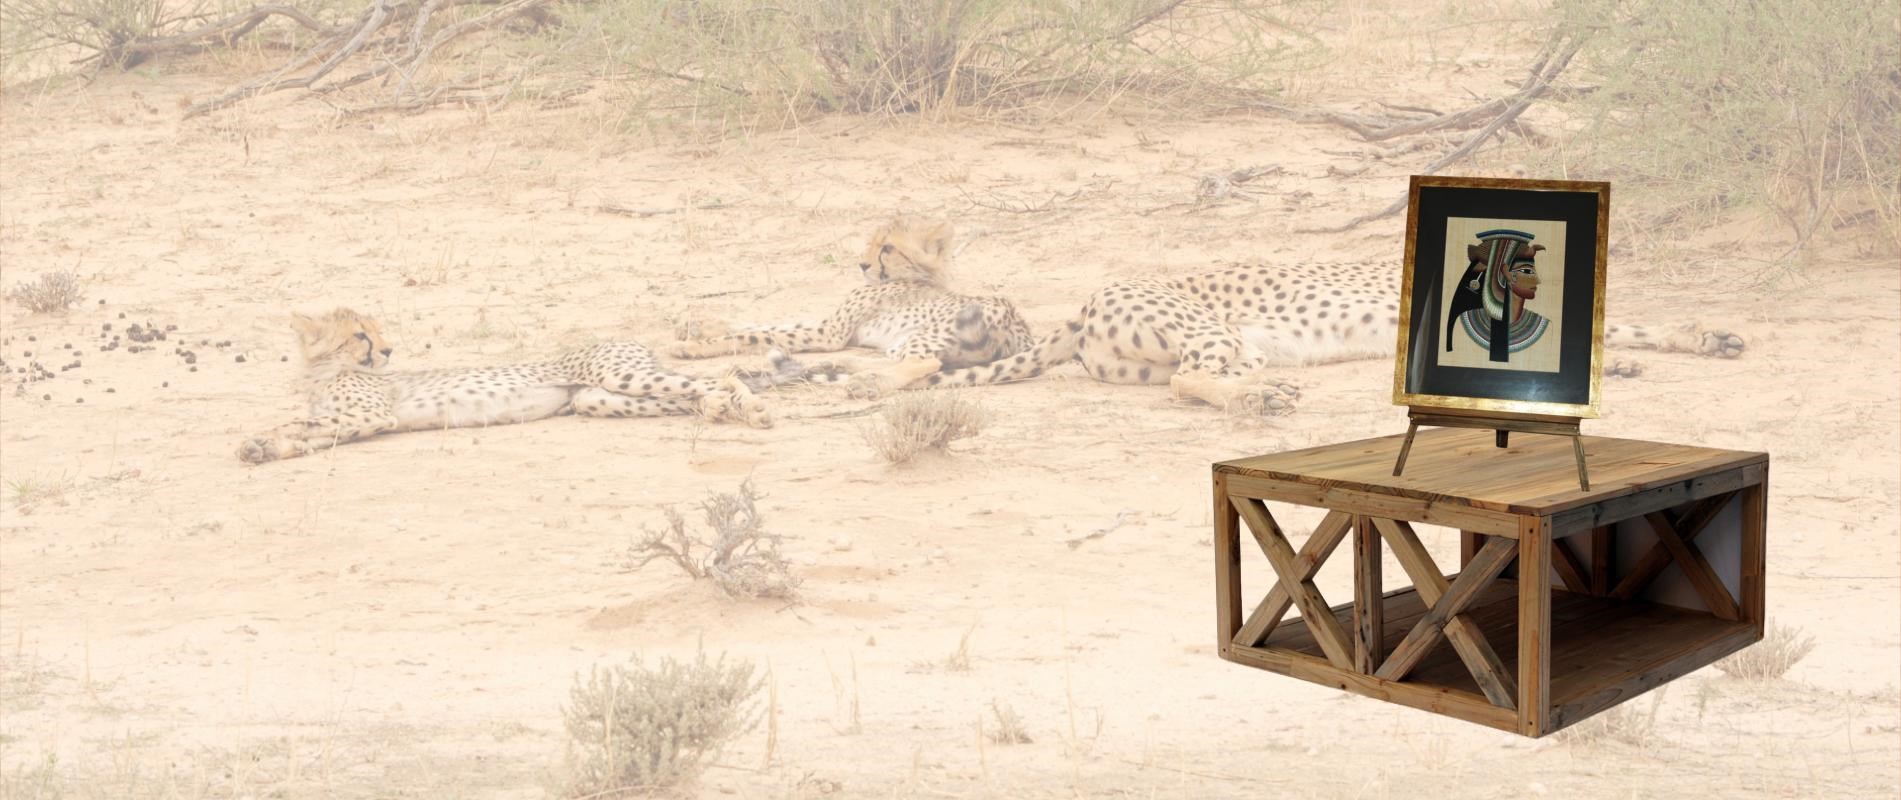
(1570, 570)
(1454, 466)
(1368, 619)
(1695, 567)
(1313, 608)
(1313, 554)
(1654, 560)
(1755, 552)
(1534, 626)
(1227, 565)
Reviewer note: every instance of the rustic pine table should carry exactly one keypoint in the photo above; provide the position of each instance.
(1567, 601)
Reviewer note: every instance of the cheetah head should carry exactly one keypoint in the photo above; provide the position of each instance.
(342, 338)
(908, 249)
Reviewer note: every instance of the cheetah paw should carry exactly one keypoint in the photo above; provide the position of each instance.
(693, 330)
(866, 386)
(1623, 368)
(258, 451)
(1720, 344)
(1272, 400)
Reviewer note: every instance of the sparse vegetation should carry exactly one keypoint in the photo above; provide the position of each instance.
(1790, 107)
(737, 63)
(1779, 651)
(742, 559)
(1009, 725)
(54, 291)
(914, 422)
(633, 729)
(29, 493)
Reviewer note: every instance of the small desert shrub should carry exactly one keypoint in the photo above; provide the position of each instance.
(1009, 725)
(737, 61)
(743, 560)
(913, 422)
(54, 291)
(31, 492)
(1779, 651)
(1698, 106)
(637, 729)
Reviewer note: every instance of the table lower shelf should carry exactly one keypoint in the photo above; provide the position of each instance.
(1603, 652)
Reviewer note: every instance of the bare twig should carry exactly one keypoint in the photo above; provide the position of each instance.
(630, 211)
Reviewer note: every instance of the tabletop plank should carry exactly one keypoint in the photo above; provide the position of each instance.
(1536, 475)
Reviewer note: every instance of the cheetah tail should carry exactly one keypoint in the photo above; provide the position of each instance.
(1054, 349)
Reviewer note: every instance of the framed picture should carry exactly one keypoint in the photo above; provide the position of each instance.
(1502, 299)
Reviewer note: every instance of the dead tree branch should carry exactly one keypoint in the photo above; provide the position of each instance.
(1518, 103)
(401, 26)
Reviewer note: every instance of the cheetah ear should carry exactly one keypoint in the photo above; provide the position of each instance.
(937, 240)
(305, 325)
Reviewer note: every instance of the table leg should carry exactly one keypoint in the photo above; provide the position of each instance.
(1227, 567)
(1534, 625)
(1369, 617)
(1755, 509)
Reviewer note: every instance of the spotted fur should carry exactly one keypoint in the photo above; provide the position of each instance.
(904, 310)
(354, 397)
(1210, 336)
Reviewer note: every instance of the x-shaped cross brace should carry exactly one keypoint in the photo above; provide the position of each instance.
(1675, 543)
(1447, 601)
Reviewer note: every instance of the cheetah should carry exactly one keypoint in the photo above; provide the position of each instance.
(904, 309)
(353, 397)
(1210, 336)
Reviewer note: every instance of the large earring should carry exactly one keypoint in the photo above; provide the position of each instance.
(1473, 284)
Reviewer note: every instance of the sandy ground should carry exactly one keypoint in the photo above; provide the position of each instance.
(403, 617)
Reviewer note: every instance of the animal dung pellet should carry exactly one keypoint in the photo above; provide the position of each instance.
(106, 327)
(110, 390)
(79, 399)
(283, 358)
(194, 369)
(165, 385)
(240, 359)
(46, 397)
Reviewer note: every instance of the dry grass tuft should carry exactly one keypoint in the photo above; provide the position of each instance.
(634, 729)
(914, 422)
(1779, 651)
(54, 291)
(1009, 725)
(743, 560)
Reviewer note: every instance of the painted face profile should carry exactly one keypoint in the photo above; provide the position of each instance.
(1524, 279)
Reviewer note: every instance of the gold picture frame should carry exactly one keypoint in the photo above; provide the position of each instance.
(1436, 368)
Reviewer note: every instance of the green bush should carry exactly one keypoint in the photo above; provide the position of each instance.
(633, 728)
(1790, 106)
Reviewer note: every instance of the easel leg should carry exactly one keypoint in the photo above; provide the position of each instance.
(1502, 438)
(1407, 447)
(1577, 446)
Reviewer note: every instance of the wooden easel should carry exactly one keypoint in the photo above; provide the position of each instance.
(1502, 422)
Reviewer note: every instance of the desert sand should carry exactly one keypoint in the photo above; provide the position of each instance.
(404, 617)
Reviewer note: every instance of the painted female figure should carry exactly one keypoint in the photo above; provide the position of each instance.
(1490, 304)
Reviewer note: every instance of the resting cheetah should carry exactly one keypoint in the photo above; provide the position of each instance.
(352, 397)
(1211, 335)
(905, 310)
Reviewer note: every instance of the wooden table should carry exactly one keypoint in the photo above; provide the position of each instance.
(1581, 581)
